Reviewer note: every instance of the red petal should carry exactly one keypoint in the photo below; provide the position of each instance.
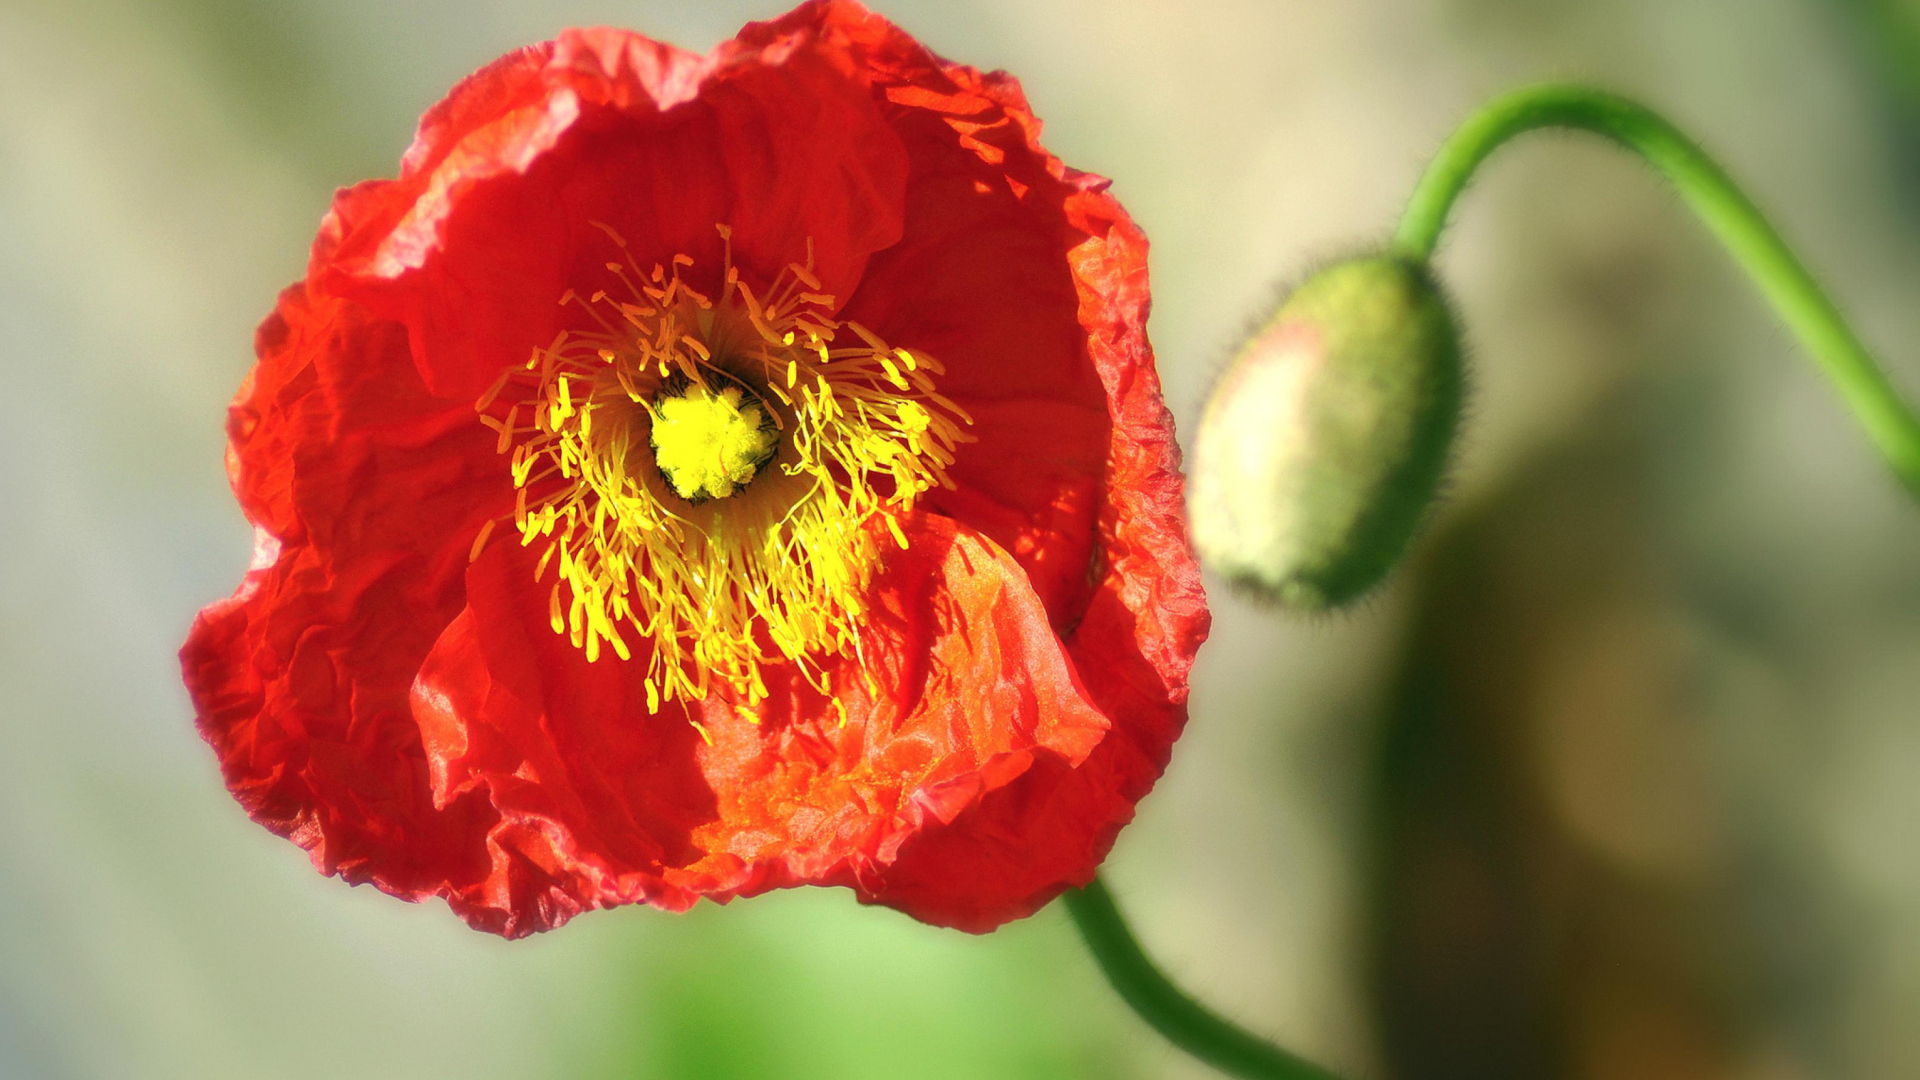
(493, 217)
(1048, 831)
(361, 488)
(602, 803)
(981, 280)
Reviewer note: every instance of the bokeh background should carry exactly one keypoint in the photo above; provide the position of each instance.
(1619, 778)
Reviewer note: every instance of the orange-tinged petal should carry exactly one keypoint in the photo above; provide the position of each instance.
(605, 803)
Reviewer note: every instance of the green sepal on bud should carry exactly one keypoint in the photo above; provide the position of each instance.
(1325, 440)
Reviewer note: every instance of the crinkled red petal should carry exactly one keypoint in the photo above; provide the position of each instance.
(501, 201)
(604, 803)
(415, 723)
(980, 279)
(1133, 647)
(364, 492)
(1030, 281)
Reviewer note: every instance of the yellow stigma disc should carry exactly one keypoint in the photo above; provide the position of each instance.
(709, 442)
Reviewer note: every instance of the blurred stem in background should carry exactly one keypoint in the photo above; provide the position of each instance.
(1753, 243)
(1890, 29)
(1740, 226)
(1886, 34)
(1185, 1022)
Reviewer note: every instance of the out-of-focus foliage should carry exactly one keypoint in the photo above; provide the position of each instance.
(1576, 877)
(1888, 33)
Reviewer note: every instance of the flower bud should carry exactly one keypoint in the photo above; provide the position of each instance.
(1325, 439)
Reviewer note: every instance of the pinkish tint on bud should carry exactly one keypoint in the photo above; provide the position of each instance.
(1324, 441)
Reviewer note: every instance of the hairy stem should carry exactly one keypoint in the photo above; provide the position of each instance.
(1725, 209)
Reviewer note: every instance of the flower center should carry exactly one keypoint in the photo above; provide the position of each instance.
(711, 479)
(710, 441)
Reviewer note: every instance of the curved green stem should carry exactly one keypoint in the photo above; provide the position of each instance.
(1185, 1022)
(1754, 244)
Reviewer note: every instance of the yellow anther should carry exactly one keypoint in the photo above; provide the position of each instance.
(637, 426)
(480, 539)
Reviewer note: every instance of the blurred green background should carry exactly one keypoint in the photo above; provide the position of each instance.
(1620, 778)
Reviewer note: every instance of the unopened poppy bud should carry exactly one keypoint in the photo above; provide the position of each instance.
(1324, 441)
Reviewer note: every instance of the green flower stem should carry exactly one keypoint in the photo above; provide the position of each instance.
(1185, 1022)
(1740, 225)
(1754, 244)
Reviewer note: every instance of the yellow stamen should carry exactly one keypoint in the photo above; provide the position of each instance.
(648, 471)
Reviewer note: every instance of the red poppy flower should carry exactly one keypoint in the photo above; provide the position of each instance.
(694, 476)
